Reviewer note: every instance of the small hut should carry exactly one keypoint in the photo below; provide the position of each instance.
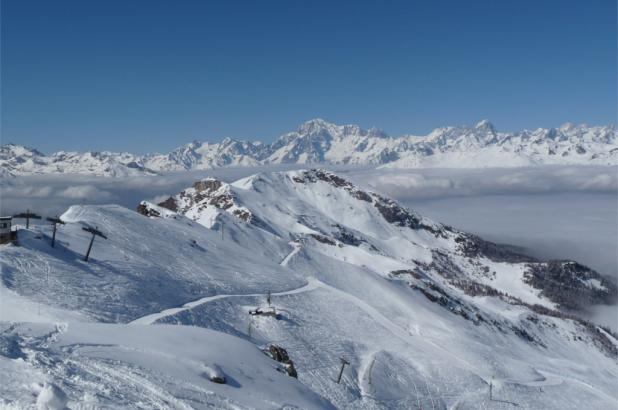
(6, 234)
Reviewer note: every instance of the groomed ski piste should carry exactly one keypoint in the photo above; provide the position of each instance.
(162, 307)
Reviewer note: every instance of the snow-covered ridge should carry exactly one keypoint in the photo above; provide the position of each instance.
(425, 315)
(318, 141)
(337, 212)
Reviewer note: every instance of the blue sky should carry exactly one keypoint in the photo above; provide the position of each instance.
(150, 75)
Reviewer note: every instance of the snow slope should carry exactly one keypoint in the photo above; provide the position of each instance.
(119, 366)
(318, 141)
(427, 316)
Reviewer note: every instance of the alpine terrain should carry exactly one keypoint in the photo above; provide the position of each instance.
(300, 289)
(318, 141)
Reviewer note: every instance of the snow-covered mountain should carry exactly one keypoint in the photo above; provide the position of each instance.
(19, 160)
(318, 141)
(425, 315)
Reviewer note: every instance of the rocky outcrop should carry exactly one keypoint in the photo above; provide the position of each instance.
(472, 246)
(389, 209)
(280, 355)
(208, 192)
(169, 203)
(571, 285)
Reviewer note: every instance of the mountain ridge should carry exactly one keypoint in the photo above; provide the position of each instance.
(320, 142)
(426, 316)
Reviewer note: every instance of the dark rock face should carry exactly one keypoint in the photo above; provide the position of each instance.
(346, 236)
(207, 192)
(389, 209)
(209, 185)
(395, 214)
(243, 215)
(315, 175)
(472, 246)
(571, 285)
(169, 203)
(217, 379)
(323, 239)
(362, 195)
(280, 355)
(410, 272)
(147, 211)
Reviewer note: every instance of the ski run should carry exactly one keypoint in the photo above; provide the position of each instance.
(256, 294)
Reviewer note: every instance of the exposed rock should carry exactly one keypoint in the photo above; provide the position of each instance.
(410, 272)
(206, 193)
(400, 216)
(571, 285)
(209, 185)
(214, 373)
(472, 246)
(362, 195)
(323, 239)
(314, 175)
(280, 355)
(346, 236)
(242, 214)
(147, 211)
(169, 203)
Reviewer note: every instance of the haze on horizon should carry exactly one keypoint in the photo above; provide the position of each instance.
(149, 76)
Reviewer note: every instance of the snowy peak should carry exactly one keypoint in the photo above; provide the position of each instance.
(318, 141)
(485, 125)
(19, 160)
(318, 207)
(202, 203)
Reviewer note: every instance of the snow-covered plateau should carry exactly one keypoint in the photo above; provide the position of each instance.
(249, 294)
(320, 142)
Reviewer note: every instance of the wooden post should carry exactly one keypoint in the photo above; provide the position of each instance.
(94, 232)
(27, 215)
(491, 386)
(89, 249)
(55, 221)
(268, 298)
(343, 363)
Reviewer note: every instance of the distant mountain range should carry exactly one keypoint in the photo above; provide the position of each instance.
(320, 142)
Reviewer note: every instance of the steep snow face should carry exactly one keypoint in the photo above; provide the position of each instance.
(425, 315)
(318, 141)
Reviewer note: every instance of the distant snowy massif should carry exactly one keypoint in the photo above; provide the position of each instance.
(318, 141)
(426, 316)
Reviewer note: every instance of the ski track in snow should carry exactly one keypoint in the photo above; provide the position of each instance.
(312, 284)
(287, 259)
(150, 319)
(421, 380)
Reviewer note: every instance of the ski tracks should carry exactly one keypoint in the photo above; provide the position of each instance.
(150, 319)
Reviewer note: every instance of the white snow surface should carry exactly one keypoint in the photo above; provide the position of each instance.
(318, 141)
(163, 303)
